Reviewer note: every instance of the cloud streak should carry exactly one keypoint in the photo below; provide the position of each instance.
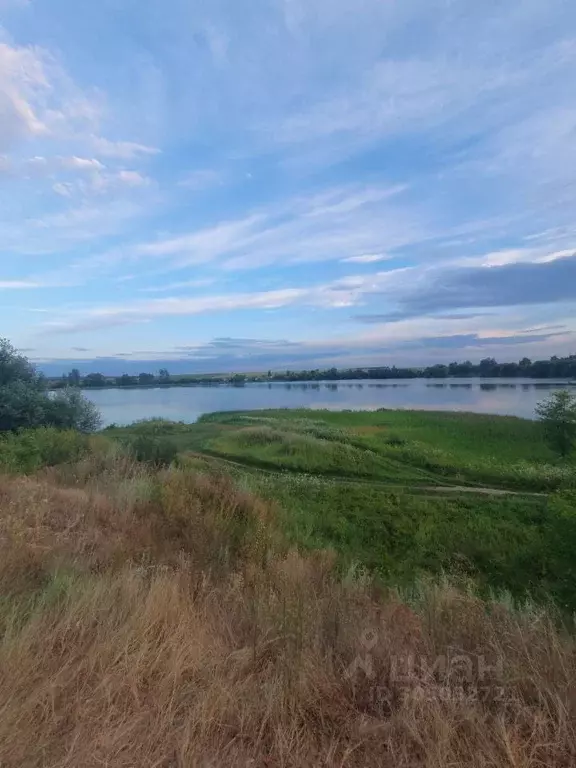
(507, 285)
(346, 223)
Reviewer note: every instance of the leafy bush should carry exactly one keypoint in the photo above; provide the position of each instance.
(15, 368)
(32, 449)
(558, 417)
(24, 402)
(22, 405)
(70, 410)
(152, 449)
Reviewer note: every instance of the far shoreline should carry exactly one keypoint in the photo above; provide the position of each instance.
(471, 380)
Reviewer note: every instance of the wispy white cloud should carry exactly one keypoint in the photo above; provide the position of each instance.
(337, 224)
(536, 255)
(81, 163)
(366, 258)
(200, 283)
(23, 82)
(405, 291)
(143, 311)
(101, 183)
(17, 284)
(59, 232)
(120, 150)
(39, 101)
(132, 178)
(346, 291)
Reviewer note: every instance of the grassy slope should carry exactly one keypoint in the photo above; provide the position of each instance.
(160, 619)
(392, 446)
(363, 483)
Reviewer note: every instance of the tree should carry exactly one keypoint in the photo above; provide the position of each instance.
(94, 380)
(16, 368)
(25, 403)
(69, 409)
(126, 380)
(74, 378)
(558, 417)
(164, 376)
(488, 367)
(438, 371)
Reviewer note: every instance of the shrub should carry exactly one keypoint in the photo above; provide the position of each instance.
(558, 417)
(152, 449)
(24, 402)
(33, 449)
(69, 409)
(16, 368)
(22, 405)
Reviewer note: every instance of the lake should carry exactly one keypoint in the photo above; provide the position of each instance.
(513, 397)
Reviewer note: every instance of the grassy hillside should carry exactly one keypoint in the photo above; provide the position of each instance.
(401, 493)
(163, 617)
(391, 446)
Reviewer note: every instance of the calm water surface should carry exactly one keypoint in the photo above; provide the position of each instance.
(514, 397)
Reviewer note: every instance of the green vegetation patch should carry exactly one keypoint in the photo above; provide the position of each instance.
(403, 493)
(397, 446)
(32, 449)
(523, 544)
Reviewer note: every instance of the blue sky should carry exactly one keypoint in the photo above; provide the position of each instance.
(287, 183)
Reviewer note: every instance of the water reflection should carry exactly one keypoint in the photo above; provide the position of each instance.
(516, 397)
(385, 384)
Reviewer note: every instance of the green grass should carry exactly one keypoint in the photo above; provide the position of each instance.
(394, 447)
(411, 446)
(512, 542)
(375, 486)
(31, 449)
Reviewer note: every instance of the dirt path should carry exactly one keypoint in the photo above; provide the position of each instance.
(479, 489)
(482, 490)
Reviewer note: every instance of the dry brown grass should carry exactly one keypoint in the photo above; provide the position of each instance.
(158, 621)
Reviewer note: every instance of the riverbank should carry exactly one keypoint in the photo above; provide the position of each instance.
(289, 591)
(400, 492)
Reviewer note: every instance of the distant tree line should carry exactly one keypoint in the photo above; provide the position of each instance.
(555, 367)
(161, 379)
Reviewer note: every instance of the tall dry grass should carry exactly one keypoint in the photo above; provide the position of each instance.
(158, 620)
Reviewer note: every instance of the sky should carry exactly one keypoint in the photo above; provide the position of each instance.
(227, 186)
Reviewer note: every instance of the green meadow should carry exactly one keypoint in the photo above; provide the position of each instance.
(403, 494)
